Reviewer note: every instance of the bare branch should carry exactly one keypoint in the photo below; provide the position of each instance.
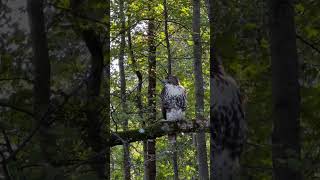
(5, 103)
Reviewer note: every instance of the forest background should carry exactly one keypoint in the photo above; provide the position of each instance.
(67, 133)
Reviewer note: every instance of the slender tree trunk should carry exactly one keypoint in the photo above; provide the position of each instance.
(151, 143)
(126, 150)
(41, 88)
(139, 92)
(107, 92)
(174, 144)
(165, 14)
(93, 113)
(199, 91)
(210, 9)
(139, 76)
(285, 90)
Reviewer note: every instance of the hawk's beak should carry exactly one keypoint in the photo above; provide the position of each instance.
(165, 81)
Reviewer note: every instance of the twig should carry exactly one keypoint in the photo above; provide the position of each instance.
(78, 14)
(128, 94)
(38, 126)
(6, 139)
(308, 43)
(4, 167)
(14, 79)
(112, 117)
(5, 104)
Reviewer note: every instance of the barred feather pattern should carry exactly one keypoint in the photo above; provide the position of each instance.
(228, 127)
(173, 98)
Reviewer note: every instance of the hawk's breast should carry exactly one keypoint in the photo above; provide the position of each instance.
(173, 90)
(176, 101)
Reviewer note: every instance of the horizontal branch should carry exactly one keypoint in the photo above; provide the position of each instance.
(159, 129)
(7, 104)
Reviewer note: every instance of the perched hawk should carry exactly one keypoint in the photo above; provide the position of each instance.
(173, 100)
(228, 126)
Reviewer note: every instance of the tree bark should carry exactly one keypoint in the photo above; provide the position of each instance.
(285, 90)
(158, 129)
(107, 92)
(96, 133)
(93, 113)
(151, 143)
(138, 74)
(139, 91)
(212, 59)
(165, 14)
(126, 149)
(169, 65)
(41, 87)
(199, 91)
(210, 7)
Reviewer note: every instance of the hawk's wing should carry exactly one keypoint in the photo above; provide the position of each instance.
(228, 124)
(181, 100)
(164, 102)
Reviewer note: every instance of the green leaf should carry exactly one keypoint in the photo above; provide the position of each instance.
(311, 32)
(299, 8)
(250, 26)
(264, 43)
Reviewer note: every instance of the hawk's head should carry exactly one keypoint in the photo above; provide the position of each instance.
(172, 80)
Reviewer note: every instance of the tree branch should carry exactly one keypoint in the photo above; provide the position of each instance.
(53, 109)
(4, 167)
(4, 103)
(159, 129)
(16, 79)
(307, 43)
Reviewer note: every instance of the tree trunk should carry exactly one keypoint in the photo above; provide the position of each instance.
(210, 9)
(107, 92)
(139, 92)
(41, 88)
(199, 91)
(174, 144)
(285, 90)
(165, 14)
(96, 133)
(95, 123)
(126, 150)
(139, 76)
(151, 143)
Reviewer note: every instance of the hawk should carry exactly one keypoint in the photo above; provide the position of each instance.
(228, 126)
(173, 101)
